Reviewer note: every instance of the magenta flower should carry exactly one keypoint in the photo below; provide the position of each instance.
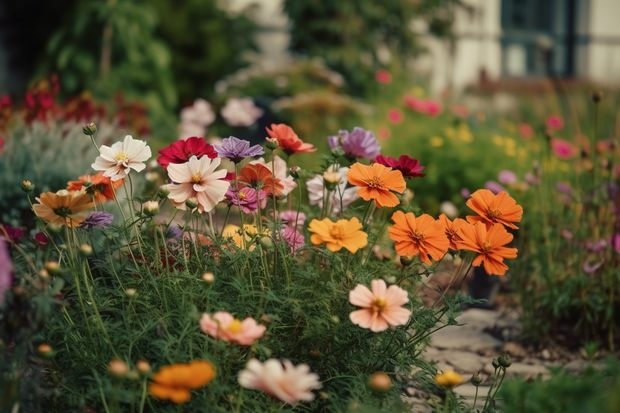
(395, 115)
(6, 270)
(555, 122)
(359, 143)
(237, 149)
(248, 199)
(615, 242)
(563, 149)
(408, 166)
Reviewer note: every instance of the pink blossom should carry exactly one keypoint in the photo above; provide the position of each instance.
(395, 115)
(381, 306)
(282, 380)
(555, 122)
(292, 218)
(507, 177)
(563, 149)
(6, 270)
(292, 237)
(383, 77)
(525, 130)
(248, 199)
(224, 326)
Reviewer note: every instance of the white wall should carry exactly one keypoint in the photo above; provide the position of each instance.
(602, 53)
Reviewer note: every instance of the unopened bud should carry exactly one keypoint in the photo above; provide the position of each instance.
(208, 277)
(143, 367)
(86, 250)
(27, 185)
(266, 242)
(271, 144)
(504, 360)
(163, 193)
(380, 382)
(89, 129)
(118, 368)
(45, 350)
(150, 208)
(405, 261)
(131, 292)
(476, 380)
(191, 203)
(52, 267)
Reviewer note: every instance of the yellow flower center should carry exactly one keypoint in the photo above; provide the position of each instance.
(337, 232)
(121, 156)
(234, 326)
(417, 236)
(375, 182)
(379, 304)
(242, 195)
(494, 213)
(196, 178)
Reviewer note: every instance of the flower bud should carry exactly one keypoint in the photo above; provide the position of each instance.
(271, 143)
(86, 250)
(476, 380)
(131, 292)
(504, 360)
(45, 350)
(163, 193)
(405, 261)
(495, 363)
(208, 277)
(266, 242)
(52, 267)
(191, 203)
(118, 368)
(143, 367)
(150, 208)
(27, 185)
(380, 382)
(90, 129)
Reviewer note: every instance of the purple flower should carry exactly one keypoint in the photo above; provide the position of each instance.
(293, 238)
(6, 269)
(237, 149)
(98, 219)
(494, 187)
(359, 143)
(174, 232)
(507, 177)
(590, 267)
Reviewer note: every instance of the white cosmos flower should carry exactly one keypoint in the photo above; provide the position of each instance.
(115, 161)
(281, 380)
(341, 196)
(199, 179)
(241, 112)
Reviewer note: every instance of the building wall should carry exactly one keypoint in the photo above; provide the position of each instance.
(602, 48)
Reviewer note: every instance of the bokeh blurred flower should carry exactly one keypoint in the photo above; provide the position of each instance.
(337, 235)
(563, 149)
(117, 160)
(6, 270)
(381, 306)
(241, 112)
(98, 219)
(395, 115)
(489, 243)
(174, 382)
(449, 379)
(237, 149)
(222, 325)
(292, 218)
(180, 151)
(376, 182)
(408, 166)
(494, 187)
(64, 207)
(199, 179)
(358, 143)
(507, 177)
(282, 380)
(383, 77)
(288, 140)
(423, 236)
(492, 208)
(525, 130)
(196, 118)
(554, 122)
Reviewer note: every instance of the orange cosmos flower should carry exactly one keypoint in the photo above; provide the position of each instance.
(377, 182)
(288, 139)
(421, 236)
(64, 207)
(174, 382)
(260, 177)
(381, 306)
(336, 235)
(492, 208)
(489, 244)
(452, 228)
(449, 379)
(98, 186)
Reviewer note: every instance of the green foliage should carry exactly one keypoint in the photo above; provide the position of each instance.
(595, 390)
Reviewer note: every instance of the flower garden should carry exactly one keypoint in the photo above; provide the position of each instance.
(266, 257)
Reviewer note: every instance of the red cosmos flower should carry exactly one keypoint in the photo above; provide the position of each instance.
(181, 150)
(408, 166)
(260, 177)
(288, 139)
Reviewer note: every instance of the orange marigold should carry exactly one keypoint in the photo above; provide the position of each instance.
(175, 381)
(336, 235)
(421, 236)
(288, 139)
(492, 208)
(489, 243)
(377, 182)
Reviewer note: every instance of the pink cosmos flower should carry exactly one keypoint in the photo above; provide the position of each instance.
(197, 178)
(281, 380)
(563, 149)
(525, 130)
(424, 106)
(381, 306)
(6, 270)
(507, 177)
(293, 238)
(117, 160)
(224, 326)
(248, 199)
(292, 218)
(555, 122)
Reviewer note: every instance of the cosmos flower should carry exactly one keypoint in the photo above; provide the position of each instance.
(293, 238)
(282, 380)
(280, 170)
(98, 219)
(199, 179)
(248, 199)
(339, 198)
(381, 306)
(492, 208)
(377, 182)
(258, 176)
(180, 151)
(237, 149)
(359, 143)
(174, 382)
(64, 207)
(408, 166)
(449, 379)
(241, 112)
(222, 325)
(422, 236)
(489, 244)
(99, 186)
(563, 149)
(337, 235)
(288, 139)
(196, 118)
(117, 160)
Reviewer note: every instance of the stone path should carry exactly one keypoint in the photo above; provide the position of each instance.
(470, 347)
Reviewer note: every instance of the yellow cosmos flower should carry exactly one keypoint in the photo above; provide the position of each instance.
(337, 235)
